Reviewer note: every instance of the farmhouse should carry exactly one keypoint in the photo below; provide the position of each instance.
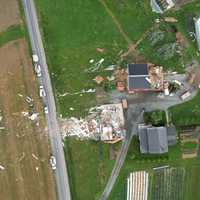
(197, 31)
(160, 6)
(144, 77)
(137, 186)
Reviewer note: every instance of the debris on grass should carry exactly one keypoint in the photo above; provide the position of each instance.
(71, 108)
(34, 156)
(98, 79)
(105, 123)
(2, 167)
(110, 68)
(83, 91)
(100, 50)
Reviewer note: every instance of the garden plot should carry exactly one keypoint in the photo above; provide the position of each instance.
(168, 184)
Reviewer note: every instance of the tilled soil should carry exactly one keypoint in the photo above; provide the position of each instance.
(24, 147)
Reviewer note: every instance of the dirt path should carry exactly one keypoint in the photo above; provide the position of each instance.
(24, 147)
(116, 22)
(131, 45)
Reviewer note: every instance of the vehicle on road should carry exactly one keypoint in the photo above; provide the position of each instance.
(53, 162)
(38, 70)
(42, 91)
(35, 58)
(46, 110)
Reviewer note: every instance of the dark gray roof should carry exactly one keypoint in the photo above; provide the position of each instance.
(138, 83)
(157, 140)
(171, 135)
(137, 74)
(138, 69)
(143, 139)
(153, 139)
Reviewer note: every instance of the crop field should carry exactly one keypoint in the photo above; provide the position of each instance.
(168, 184)
(24, 146)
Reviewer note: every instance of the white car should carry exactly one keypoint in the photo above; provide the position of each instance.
(46, 110)
(53, 162)
(42, 91)
(38, 70)
(35, 58)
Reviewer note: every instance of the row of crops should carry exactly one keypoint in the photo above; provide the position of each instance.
(167, 184)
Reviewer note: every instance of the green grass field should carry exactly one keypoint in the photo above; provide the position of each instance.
(88, 166)
(12, 33)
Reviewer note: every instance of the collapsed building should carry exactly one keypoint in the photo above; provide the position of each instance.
(160, 6)
(104, 123)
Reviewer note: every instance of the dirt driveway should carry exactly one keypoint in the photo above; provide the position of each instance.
(24, 147)
(9, 14)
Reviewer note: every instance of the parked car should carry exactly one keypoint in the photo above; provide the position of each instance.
(35, 58)
(46, 110)
(53, 162)
(38, 70)
(42, 91)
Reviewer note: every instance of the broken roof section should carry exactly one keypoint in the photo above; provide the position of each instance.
(160, 6)
(105, 123)
(145, 77)
(197, 31)
(153, 140)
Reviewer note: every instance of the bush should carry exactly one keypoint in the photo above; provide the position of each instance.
(156, 118)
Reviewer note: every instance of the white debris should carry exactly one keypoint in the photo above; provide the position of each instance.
(34, 116)
(110, 78)
(83, 91)
(36, 168)
(2, 128)
(1, 118)
(71, 108)
(110, 68)
(34, 156)
(91, 61)
(20, 95)
(25, 114)
(104, 122)
(28, 99)
(2, 167)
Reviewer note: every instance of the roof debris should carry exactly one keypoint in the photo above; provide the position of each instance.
(105, 123)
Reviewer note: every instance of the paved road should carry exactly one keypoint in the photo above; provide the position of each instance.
(61, 175)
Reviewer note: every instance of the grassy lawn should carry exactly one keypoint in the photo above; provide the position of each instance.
(189, 146)
(12, 33)
(190, 112)
(89, 168)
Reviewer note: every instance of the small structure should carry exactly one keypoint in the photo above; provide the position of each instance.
(197, 31)
(137, 186)
(160, 6)
(155, 140)
(144, 77)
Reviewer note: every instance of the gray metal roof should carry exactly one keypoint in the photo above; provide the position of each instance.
(137, 74)
(138, 83)
(197, 29)
(153, 139)
(171, 135)
(157, 140)
(138, 69)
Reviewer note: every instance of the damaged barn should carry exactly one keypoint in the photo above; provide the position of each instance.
(104, 123)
